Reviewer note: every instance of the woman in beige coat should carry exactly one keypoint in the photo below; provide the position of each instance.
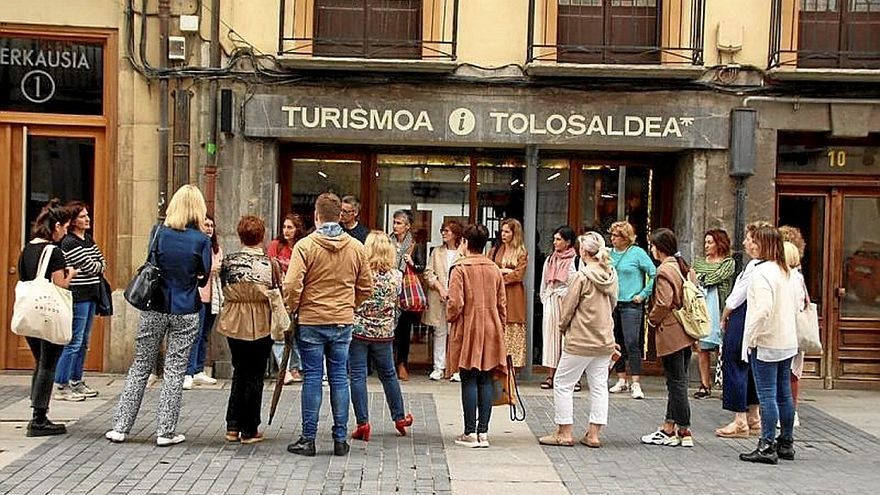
(437, 282)
(246, 277)
(586, 319)
(673, 344)
(476, 311)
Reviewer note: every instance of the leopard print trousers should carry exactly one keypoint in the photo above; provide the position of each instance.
(153, 327)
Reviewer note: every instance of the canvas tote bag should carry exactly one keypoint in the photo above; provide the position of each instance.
(42, 309)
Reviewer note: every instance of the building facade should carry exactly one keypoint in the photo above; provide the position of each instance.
(688, 114)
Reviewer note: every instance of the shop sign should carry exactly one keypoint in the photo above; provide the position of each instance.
(482, 122)
(51, 76)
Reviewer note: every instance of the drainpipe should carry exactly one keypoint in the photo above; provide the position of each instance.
(795, 99)
(211, 147)
(743, 155)
(164, 27)
(530, 227)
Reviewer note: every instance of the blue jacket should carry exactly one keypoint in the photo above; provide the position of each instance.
(185, 259)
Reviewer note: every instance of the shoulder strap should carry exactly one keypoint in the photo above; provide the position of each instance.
(45, 257)
(276, 277)
(153, 241)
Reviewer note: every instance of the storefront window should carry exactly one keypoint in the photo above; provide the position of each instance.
(311, 177)
(861, 254)
(500, 193)
(432, 187)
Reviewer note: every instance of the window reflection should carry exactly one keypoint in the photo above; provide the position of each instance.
(861, 255)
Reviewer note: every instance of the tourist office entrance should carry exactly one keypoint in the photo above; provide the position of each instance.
(545, 158)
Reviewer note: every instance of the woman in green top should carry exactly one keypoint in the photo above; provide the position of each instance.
(635, 275)
(715, 273)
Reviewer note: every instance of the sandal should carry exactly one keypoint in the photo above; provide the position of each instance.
(547, 384)
(703, 392)
(577, 387)
(553, 439)
(591, 444)
(733, 430)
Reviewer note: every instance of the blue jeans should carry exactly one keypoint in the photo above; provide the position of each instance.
(200, 346)
(317, 343)
(628, 325)
(383, 357)
(773, 383)
(477, 394)
(73, 357)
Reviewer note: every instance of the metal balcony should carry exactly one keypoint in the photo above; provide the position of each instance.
(616, 31)
(825, 34)
(368, 29)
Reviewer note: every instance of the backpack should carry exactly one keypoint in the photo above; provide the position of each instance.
(693, 313)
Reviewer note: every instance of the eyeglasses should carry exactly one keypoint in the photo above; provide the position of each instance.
(348, 212)
(614, 234)
(444, 231)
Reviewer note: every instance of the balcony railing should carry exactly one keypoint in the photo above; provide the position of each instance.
(616, 31)
(370, 29)
(826, 34)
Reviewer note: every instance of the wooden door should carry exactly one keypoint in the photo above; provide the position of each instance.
(368, 28)
(608, 31)
(839, 34)
(39, 163)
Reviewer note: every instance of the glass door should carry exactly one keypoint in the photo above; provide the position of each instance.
(45, 163)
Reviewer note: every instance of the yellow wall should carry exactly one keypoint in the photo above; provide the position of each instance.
(492, 33)
(81, 13)
(754, 15)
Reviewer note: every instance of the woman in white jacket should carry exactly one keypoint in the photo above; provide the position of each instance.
(770, 344)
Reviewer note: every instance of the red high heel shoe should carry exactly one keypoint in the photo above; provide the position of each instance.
(401, 424)
(362, 432)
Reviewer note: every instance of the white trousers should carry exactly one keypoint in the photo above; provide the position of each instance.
(568, 372)
(440, 333)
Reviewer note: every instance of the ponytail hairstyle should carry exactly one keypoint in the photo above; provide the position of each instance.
(52, 213)
(593, 244)
(665, 242)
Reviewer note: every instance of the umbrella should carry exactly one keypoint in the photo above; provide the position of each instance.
(282, 367)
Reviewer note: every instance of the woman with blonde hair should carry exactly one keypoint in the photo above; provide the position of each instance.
(794, 252)
(587, 323)
(511, 257)
(769, 344)
(183, 254)
(437, 282)
(635, 272)
(373, 337)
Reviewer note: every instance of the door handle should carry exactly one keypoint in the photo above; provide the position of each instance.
(841, 292)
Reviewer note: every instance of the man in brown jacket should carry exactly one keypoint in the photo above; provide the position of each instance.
(328, 278)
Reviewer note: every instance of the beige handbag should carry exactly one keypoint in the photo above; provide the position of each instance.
(807, 324)
(280, 316)
(42, 309)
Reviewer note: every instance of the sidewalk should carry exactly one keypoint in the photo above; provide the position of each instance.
(837, 449)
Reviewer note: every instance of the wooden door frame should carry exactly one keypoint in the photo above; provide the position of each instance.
(67, 125)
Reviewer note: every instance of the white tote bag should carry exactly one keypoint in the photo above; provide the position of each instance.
(42, 309)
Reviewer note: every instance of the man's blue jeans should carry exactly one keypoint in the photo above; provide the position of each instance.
(73, 357)
(383, 358)
(318, 343)
(773, 383)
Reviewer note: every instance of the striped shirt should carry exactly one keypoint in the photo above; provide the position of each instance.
(84, 255)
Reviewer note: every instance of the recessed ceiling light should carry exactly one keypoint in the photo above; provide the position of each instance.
(554, 176)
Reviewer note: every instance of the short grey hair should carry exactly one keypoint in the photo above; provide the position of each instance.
(404, 214)
(353, 201)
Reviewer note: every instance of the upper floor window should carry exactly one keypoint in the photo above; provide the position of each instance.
(617, 31)
(826, 34)
(378, 29)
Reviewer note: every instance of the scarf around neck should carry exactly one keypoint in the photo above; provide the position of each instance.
(558, 266)
(402, 248)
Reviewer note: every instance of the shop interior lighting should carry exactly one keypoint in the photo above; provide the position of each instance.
(322, 174)
(514, 182)
(554, 176)
(425, 170)
(467, 177)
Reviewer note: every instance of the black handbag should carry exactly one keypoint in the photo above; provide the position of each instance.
(144, 292)
(105, 299)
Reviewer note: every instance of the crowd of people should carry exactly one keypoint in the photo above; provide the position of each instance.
(349, 292)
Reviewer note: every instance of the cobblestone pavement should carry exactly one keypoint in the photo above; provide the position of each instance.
(832, 456)
(84, 462)
(12, 393)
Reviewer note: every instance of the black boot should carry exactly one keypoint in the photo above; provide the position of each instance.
(785, 448)
(765, 453)
(340, 448)
(44, 428)
(303, 446)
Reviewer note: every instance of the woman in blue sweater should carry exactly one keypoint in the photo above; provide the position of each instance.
(635, 274)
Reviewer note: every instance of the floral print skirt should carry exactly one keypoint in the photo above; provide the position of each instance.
(515, 343)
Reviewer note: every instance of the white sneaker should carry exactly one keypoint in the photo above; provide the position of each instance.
(187, 382)
(618, 387)
(166, 441)
(64, 392)
(637, 391)
(203, 379)
(115, 436)
(455, 377)
(152, 379)
(469, 441)
(659, 437)
(797, 420)
(436, 375)
(483, 440)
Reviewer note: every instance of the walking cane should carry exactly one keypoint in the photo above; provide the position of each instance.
(282, 368)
